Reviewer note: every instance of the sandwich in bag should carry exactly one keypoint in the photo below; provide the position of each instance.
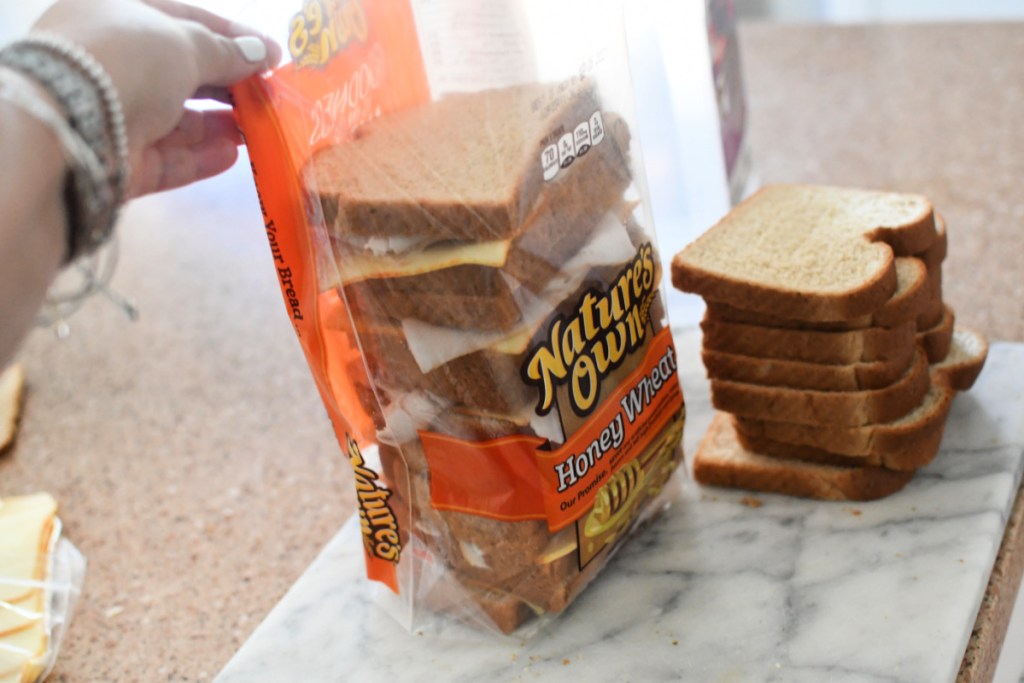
(473, 279)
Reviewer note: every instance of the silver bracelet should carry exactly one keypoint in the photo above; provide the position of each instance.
(93, 109)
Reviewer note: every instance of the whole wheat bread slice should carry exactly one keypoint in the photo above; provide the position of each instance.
(812, 346)
(906, 443)
(721, 460)
(911, 299)
(803, 375)
(934, 255)
(966, 358)
(897, 444)
(936, 340)
(825, 408)
(466, 167)
(932, 313)
(807, 252)
(923, 451)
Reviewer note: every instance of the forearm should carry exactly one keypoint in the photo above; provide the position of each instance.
(32, 217)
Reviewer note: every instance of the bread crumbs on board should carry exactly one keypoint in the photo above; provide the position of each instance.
(751, 501)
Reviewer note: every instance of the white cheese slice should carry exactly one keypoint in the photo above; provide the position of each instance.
(19, 614)
(382, 245)
(28, 528)
(26, 523)
(365, 266)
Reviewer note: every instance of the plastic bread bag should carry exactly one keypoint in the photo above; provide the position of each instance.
(454, 200)
(41, 577)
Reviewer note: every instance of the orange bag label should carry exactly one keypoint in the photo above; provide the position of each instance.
(353, 60)
(522, 477)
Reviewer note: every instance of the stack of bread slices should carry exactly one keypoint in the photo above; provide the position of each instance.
(832, 358)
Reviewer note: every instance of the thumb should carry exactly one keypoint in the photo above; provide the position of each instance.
(223, 61)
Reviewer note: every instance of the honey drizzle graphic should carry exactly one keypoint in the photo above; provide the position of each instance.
(616, 502)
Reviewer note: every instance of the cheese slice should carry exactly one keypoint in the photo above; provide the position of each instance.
(28, 530)
(22, 653)
(20, 614)
(364, 266)
(12, 389)
(26, 526)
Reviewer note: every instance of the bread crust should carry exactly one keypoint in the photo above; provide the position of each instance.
(935, 254)
(884, 442)
(936, 341)
(911, 299)
(825, 408)
(804, 375)
(965, 360)
(721, 460)
(924, 448)
(811, 346)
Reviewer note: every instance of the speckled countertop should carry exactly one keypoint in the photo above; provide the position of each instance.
(190, 453)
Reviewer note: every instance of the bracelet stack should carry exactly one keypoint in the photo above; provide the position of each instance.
(90, 127)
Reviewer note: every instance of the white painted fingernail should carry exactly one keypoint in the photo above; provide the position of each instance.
(252, 48)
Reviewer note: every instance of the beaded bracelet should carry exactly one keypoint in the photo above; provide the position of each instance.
(92, 108)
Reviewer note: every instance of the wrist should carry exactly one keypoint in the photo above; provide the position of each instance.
(92, 132)
(15, 90)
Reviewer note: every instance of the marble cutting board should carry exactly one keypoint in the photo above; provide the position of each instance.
(717, 590)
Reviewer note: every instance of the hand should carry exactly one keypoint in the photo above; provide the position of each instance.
(159, 53)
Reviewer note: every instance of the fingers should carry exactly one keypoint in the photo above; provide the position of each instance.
(203, 145)
(218, 94)
(198, 127)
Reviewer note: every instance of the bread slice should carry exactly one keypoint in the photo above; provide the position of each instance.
(924, 450)
(911, 299)
(825, 408)
(934, 255)
(721, 460)
(12, 394)
(807, 252)
(466, 167)
(906, 443)
(967, 355)
(803, 375)
(932, 313)
(937, 339)
(892, 444)
(811, 346)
